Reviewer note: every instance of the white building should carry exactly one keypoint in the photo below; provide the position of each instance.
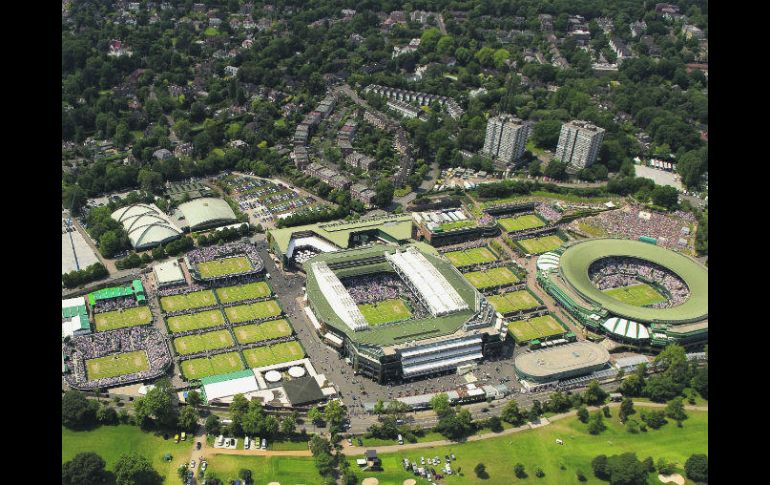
(168, 273)
(506, 137)
(579, 143)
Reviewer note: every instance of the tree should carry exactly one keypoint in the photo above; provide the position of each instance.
(518, 470)
(626, 469)
(606, 411)
(245, 475)
(158, 404)
(495, 424)
(383, 193)
(535, 168)
(665, 196)
(654, 418)
(149, 180)
(212, 424)
(632, 385)
(456, 425)
(84, 469)
(545, 134)
(665, 467)
(440, 404)
(697, 468)
(315, 415)
(556, 170)
(379, 407)
(194, 398)
(288, 425)
(134, 469)
(188, 419)
(539, 473)
(582, 414)
(594, 395)
(596, 423)
(675, 409)
(600, 467)
(271, 425)
(481, 471)
(107, 415)
(626, 409)
(334, 413)
(511, 414)
(77, 412)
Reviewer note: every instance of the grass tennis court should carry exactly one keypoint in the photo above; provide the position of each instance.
(538, 327)
(262, 331)
(254, 311)
(639, 295)
(191, 344)
(520, 223)
(130, 317)
(470, 257)
(218, 364)
(196, 299)
(513, 301)
(539, 245)
(194, 321)
(230, 294)
(491, 277)
(273, 354)
(117, 365)
(385, 311)
(226, 266)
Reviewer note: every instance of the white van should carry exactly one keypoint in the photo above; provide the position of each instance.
(220, 440)
(246, 443)
(400, 440)
(264, 444)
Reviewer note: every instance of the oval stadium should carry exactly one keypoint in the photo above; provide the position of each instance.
(633, 291)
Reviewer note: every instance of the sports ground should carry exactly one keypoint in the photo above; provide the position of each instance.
(211, 366)
(520, 223)
(191, 344)
(258, 332)
(385, 311)
(273, 354)
(470, 257)
(638, 295)
(539, 245)
(248, 291)
(117, 365)
(194, 321)
(196, 299)
(222, 267)
(130, 317)
(491, 277)
(513, 301)
(254, 311)
(538, 327)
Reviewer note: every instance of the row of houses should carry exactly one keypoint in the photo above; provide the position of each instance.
(424, 99)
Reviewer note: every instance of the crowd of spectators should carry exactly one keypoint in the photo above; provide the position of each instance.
(374, 288)
(618, 272)
(547, 212)
(210, 253)
(300, 256)
(632, 222)
(81, 348)
(113, 304)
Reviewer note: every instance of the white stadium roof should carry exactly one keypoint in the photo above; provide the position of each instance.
(313, 242)
(146, 225)
(207, 212)
(168, 272)
(548, 261)
(626, 328)
(338, 297)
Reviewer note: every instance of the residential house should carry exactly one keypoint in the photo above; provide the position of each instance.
(638, 28)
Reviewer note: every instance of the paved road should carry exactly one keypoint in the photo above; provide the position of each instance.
(425, 186)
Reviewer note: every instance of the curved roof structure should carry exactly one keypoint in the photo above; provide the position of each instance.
(548, 261)
(207, 212)
(578, 258)
(146, 225)
(562, 361)
(626, 328)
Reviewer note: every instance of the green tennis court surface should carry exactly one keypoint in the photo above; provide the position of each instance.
(211, 366)
(520, 223)
(273, 354)
(491, 277)
(538, 327)
(196, 299)
(194, 321)
(222, 267)
(262, 331)
(117, 365)
(191, 344)
(249, 291)
(254, 311)
(470, 257)
(130, 317)
(513, 301)
(639, 295)
(539, 245)
(385, 311)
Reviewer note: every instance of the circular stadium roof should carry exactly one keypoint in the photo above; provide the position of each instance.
(272, 376)
(577, 258)
(548, 261)
(297, 371)
(207, 211)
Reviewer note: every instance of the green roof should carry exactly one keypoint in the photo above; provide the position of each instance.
(226, 377)
(137, 285)
(394, 227)
(577, 258)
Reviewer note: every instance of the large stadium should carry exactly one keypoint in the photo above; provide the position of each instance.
(399, 313)
(633, 291)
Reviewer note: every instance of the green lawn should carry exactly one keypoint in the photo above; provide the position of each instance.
(456, 225)
(385, 311)
(639, 295)
(254, 311)
(538, 327)
(140, 315)
(192, 321)
(491, 277)
(196, 299)
(470, 257)
(110, 442)
(191, 344)
(520, 223)
(262, 331)
(218, 364)
(538, 448)
(513, 301)
(287, 470)
(539, 245)
(117, 365)
(230, 294)
(273, 354)
(226, 266)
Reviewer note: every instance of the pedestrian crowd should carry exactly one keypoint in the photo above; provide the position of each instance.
(632, 222)
(113, 304)
(547, 212)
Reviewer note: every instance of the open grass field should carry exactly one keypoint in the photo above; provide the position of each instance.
(230, 294)
(262, 331)
(286, 470)
(513, 301)
(540, 245)
(491, 277)
(538, 448)
(273, 354)
(520, 223)
(140, 315)
(538, 327)
(385, 311)
(110, 442)
(218, 364)
(261, 309)
(470, 257)
(639, 295)
(117, 365)
(193, 321)
(221, 267)
(191, 344)
(196, 299)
